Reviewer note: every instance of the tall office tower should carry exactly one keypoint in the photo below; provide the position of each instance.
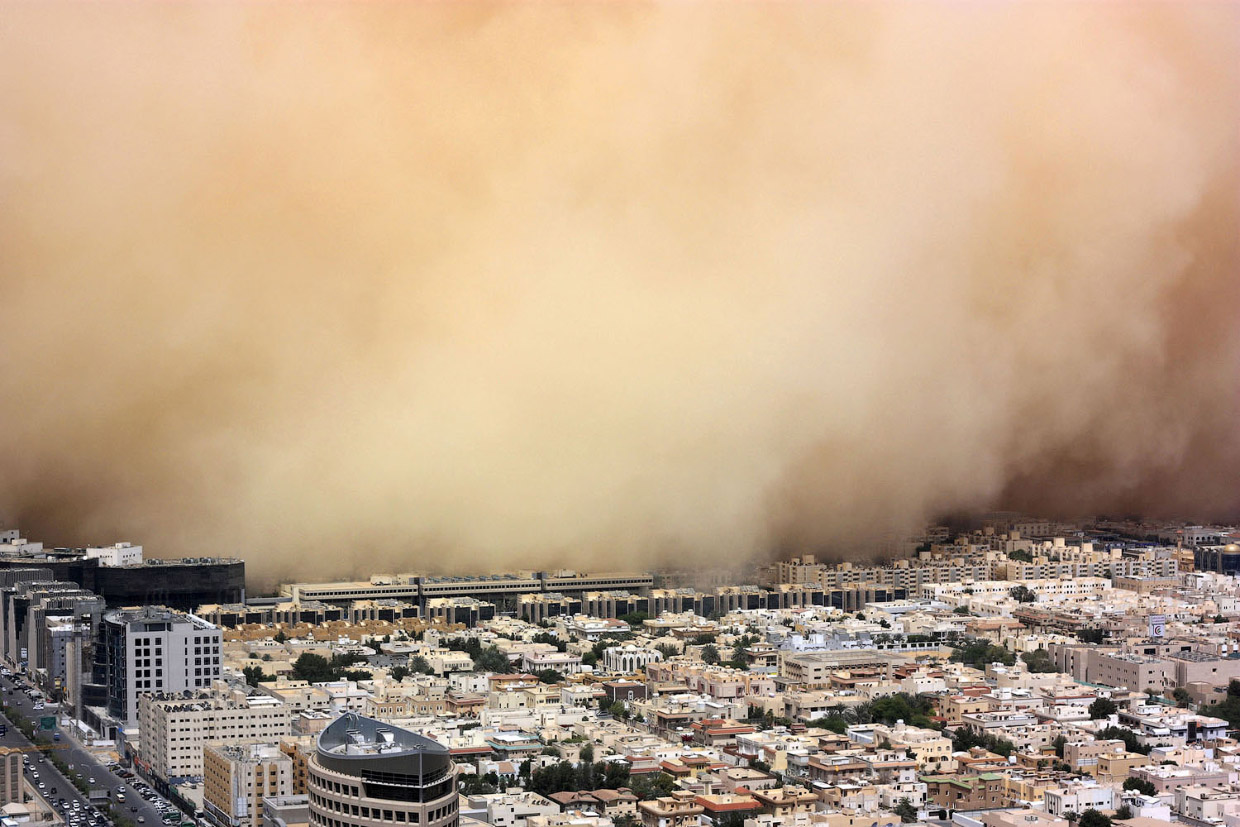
(155, 649)
(365, 773)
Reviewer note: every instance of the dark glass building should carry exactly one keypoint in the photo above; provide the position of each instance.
(366, 773)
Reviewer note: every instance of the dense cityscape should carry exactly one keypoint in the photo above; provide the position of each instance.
(459, 413)
(1025, 672)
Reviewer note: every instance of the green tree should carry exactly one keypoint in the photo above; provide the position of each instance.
(914, 710)
(1020, 556)
(710, 654)
(1182, 696)
(587, 752)
(739, 659)
(491, 659)
(635, 618)
(965, 739)
(652, 785)
(1092, 635)
(420, 665)
(619, 710)
(1039, 660)
(1058, 744)
(280, 637)
(553, 640)
(557, 778)
(474, 784)
(253, 674)
(615, 774)
(980, 653)
(667, 650)
(1123, 813)
(905, 810)
(399, 673)
(549, 676)
(313, 668)
(1118, 733)
(1140, 785)
(834, 723)
(1102, 708)
(1022, 594)
(1093, 818)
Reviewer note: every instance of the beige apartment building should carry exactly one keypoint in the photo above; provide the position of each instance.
(680, 809)
(11, 780)
(237, 779)
(175, 728)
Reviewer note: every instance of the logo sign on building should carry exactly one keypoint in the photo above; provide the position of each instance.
(1158, 625)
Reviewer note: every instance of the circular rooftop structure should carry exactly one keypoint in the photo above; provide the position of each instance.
(363, 747)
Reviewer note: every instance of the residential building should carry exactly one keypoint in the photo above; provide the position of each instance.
(174, 727)
(238, 778)
(680, 809)
(12, 782)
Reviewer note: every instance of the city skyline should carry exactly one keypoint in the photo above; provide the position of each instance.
(388, 286)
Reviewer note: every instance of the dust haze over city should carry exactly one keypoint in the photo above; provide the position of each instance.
(383, 287)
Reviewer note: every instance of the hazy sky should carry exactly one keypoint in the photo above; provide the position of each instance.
(387, 286)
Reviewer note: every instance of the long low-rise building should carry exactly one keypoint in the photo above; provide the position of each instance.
(814, 669)
(1067, 589)
(487, 587)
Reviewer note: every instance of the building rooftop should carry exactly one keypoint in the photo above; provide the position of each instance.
(156, 614)
(357, 735)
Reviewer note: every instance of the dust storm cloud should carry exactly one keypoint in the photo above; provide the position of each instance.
(384, 287)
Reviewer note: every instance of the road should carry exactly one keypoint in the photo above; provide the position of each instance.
(78, 759)
(46, 772)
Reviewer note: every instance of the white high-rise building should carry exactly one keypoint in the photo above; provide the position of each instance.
(175, 727)
(155, 649)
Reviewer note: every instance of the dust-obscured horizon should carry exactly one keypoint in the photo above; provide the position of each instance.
(346, 288)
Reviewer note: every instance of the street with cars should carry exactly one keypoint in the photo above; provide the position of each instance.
(128, 794)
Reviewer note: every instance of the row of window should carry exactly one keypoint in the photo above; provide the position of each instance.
(336, 787)
(398, 816)
(324, 821)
